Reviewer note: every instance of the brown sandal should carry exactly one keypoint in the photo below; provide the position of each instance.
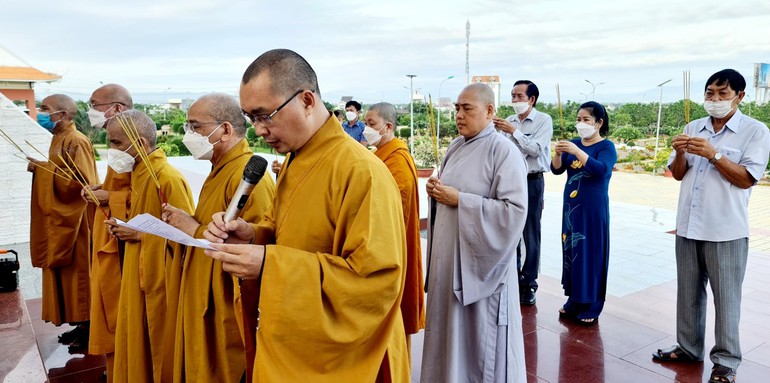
(722, 374)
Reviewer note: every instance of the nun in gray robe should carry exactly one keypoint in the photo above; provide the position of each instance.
(473, 322)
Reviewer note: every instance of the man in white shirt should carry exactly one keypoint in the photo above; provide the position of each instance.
(718, 159)
(531, 131)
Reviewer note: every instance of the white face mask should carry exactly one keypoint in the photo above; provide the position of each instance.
(718, 109)
(120, 161)
(350, 115)
(585, 130)
(372, 135)
(199, 145)
(97, 118)
(520, 107)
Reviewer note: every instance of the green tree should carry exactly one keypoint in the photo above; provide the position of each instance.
(627, 134)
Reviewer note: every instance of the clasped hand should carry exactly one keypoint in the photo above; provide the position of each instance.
(444, 194)
(565, 147)
(700, 146)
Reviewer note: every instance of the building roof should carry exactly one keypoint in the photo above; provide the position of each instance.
(486, 79)
(14, 69)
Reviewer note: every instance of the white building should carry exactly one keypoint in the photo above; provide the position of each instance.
(16, 181)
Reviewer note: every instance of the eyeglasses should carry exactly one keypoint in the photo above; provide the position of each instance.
(189, 127)
(267, 119)
(90, 105)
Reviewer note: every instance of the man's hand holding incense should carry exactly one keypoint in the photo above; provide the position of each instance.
(122, 233)
(32, 162)
(503, 125)
(102, 196)
(179, 219)
(235, 231)
(242, 261)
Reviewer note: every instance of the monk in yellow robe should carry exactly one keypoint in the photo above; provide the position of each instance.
(60, 239)
(144, 335)
(329, 256)
(209, 346)
(380, 121)
(113, 199)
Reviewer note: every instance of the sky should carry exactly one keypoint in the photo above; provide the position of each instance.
(162, 49)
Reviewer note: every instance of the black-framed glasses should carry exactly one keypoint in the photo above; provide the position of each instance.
(90, 105)
(267, 119)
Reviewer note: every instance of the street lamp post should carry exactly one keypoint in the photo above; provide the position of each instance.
(438, 129)
(660, 112)
(411, 112)
(593, 88)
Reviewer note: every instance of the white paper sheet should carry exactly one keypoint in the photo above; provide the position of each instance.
(149, 224)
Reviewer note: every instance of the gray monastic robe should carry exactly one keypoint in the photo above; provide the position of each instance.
(473, 331)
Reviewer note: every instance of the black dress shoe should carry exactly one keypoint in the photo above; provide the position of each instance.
(527, 297)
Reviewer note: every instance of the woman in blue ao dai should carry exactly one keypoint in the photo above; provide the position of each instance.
(585, 237)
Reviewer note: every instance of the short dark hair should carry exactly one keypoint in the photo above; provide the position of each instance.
(289, 72)
(355, 104)
(731, 77)
(337, 113)
(598, 112)
(532, 90)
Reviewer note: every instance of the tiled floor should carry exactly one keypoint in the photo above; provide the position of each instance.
(638, 318)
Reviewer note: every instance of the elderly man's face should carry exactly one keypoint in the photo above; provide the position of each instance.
(117, 138)
(101, 103)
(289, 129)
(472, 114)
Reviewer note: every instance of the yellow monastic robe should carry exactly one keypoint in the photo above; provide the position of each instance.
(60, 235)
(144, 339)
(209, 347)
(105, 269)
(334, 270)
(395, 155)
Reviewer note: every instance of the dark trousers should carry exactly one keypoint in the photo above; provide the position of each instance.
(531, 235)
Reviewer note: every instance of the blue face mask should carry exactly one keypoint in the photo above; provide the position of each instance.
(44, 119)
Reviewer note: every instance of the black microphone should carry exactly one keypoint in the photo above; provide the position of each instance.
(252, 173)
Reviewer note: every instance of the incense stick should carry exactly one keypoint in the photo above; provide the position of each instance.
(74, 169)
(47, 159)
(129, 127)
(433, 137)
(686, 77)
(561, 113)
(12, 142)
(42, 167)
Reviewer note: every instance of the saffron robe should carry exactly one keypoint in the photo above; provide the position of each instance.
(60, 223)
(473, 331)
(144, 338)
(209, 347)
(105, 269)
(333, 271)
(395, 155)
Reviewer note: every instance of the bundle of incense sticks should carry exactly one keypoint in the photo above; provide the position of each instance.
(129, 127)
(433, 132)
(561, 113)
(68, 173)
(60, 170)
(686, 77)
(13, 143)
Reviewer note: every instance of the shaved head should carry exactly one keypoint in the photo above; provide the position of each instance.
(287, 70)
(145, 127)
(482, 91)
(57, 102)
(386, 111)
(222, 107)
(113, 93)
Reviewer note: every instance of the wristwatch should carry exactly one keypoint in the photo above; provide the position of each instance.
(716, 158)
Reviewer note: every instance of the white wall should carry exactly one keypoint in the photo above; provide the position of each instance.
(15, 181)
